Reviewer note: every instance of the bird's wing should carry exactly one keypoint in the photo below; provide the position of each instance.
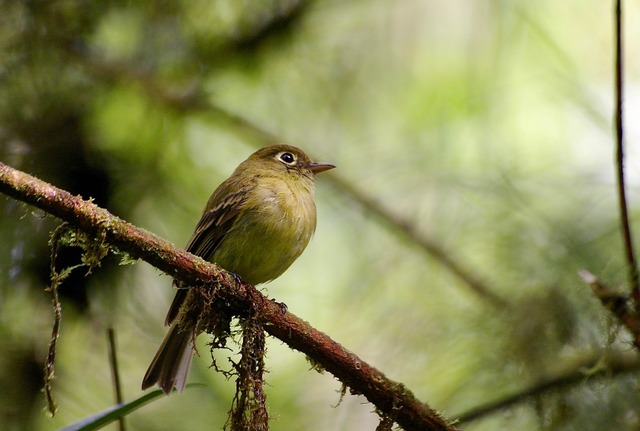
(214, 224)
(211, 229)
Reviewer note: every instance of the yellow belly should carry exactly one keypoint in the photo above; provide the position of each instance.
(269, 237)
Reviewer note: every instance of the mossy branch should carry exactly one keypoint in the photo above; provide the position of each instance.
(390, 398)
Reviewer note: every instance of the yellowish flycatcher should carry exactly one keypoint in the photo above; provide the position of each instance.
(255, 224)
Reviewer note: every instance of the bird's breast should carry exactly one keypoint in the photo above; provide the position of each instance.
(272, 230)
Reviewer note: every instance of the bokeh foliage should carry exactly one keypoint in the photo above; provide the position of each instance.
(484, 126)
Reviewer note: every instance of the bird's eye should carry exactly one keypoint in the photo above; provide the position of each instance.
(287, 158)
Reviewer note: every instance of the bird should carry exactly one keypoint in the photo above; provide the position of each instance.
(255, 225)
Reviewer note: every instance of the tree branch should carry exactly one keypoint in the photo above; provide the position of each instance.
(389, 397)
(626, 307)
(618, 304)
(634, 277)
(593, 368)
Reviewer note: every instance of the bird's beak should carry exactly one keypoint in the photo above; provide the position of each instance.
(316, 167)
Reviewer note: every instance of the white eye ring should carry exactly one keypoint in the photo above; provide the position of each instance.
(287, 158)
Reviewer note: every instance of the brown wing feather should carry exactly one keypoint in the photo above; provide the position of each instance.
(210, 230)
(213, 225)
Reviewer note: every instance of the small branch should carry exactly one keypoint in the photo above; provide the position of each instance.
(391, 398)
(625, 307)
(591, 369)
(616, 303)
(56, 279)
(429, 245)
(115, 373)
(634, 277)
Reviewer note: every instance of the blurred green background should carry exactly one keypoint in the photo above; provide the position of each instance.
(482, 129)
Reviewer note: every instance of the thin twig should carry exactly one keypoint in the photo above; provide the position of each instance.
(601, 365)
(56, 279)
(617, 303)
(115, 373)
(427, 244)
(634, 278)
(50, 371)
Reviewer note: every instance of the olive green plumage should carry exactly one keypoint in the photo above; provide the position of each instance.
(255, 224)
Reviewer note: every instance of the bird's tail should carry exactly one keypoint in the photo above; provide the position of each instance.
(170, 365)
